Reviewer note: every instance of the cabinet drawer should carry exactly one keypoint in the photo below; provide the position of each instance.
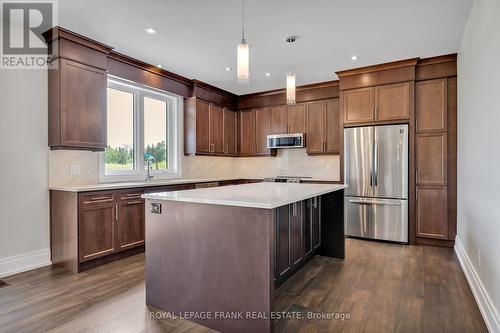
(96, 198)
(129, 195)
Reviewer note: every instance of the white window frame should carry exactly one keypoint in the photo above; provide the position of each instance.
(174, 134)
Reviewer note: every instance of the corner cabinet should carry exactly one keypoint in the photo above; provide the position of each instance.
(77, 84)
(209, 129)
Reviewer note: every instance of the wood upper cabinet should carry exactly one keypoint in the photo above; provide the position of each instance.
(247, 132)
(431, 159)
(216, 129)
(381, 103)
(279, 119)
(77, 92)
(316, 127)
(431, 105)
(392, 101)
(230, 130)
(432, 212)
(77, 106)
(323, 127)
(334, 129)
(262, 128)
(358, 105)
(206, 126)
(297, 118)
(201, 115)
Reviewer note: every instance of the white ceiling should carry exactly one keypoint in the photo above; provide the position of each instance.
(198, 38)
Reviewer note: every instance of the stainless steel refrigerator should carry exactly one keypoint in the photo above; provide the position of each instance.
(376, 170)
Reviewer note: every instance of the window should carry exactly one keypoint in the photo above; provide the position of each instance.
(143, 129)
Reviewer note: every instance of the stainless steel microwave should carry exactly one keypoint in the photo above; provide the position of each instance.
(295, 140)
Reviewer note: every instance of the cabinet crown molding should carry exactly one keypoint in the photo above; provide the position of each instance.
(378, 67)
(58, 32)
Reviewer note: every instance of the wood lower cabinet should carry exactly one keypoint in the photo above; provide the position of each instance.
(130, 222)
(96, 232)
(323, 127)
(432, 212)
(389, 102)
(297, 236)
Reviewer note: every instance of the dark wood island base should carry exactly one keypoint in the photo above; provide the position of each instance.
(219, 265)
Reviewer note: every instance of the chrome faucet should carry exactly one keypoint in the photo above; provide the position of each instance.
(149, 160)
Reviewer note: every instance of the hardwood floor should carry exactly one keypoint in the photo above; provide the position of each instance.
(382, 287)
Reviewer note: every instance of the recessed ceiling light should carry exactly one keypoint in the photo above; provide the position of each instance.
(150, 30)
(268, 74)
(354, 58)
(159, 66)
(227, 69)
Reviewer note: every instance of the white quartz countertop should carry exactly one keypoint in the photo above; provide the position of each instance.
(113, 186)
(257, 195)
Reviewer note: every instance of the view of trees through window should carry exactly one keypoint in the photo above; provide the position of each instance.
(120, 153)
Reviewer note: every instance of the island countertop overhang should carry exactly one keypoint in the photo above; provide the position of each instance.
(258, 195)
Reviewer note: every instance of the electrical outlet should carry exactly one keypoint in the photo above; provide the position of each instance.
(74, 169)
(478, 258)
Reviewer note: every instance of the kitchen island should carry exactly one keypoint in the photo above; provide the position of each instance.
(216, 255)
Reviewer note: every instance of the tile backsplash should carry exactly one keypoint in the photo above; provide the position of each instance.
(67, 167)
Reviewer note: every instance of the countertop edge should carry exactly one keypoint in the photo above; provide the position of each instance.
(243, 204)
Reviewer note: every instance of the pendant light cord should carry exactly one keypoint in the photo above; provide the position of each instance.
(243, 16)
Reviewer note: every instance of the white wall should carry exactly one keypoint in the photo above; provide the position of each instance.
(479, 155)
(24, 222)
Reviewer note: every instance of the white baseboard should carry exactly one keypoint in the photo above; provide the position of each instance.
(24, 262)
(483, 300)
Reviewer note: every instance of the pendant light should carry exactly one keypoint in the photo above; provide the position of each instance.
(243, 70)
(290, 79)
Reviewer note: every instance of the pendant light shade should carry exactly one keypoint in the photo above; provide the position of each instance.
(243, 70)
(290, 88)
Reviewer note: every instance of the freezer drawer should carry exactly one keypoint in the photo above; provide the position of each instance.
(384, 219)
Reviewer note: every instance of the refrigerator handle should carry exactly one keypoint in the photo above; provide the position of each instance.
(375, 162)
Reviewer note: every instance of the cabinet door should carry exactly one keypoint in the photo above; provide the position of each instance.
(307, 228)
(297, 118)
(392, 101)
(431, 105)
(432, 212)
(230, 146)
(358, 105)
(83, 106)
(315, 135)
(333, 126)
(96, 232)
(262, 129)
(282, 256)
(316, 221)
(279, 121)
(247, 132)
(216, 130)
(296, 225)
(202, 126)
(130, 224)
(432, 162)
